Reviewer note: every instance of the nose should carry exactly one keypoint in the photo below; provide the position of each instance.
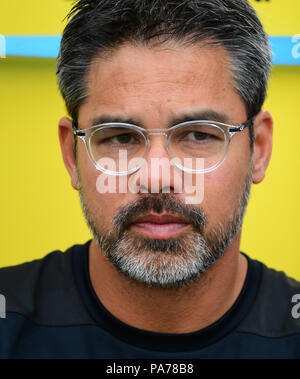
(157, 174)
(157, 146)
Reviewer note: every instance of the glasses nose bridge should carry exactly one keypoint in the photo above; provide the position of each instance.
(157, 132)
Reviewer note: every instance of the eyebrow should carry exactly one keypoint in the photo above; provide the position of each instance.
(106, 118)
(206, 114)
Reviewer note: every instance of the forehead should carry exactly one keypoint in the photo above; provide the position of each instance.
(160, 80)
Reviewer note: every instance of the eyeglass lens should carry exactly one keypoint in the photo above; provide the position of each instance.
(187, 144)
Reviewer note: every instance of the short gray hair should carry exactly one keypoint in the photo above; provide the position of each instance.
(97, 27)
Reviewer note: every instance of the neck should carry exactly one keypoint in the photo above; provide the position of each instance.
(178, 310)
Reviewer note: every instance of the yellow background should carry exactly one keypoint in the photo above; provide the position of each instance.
(39, 210)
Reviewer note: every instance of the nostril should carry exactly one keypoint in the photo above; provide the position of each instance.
(168, 189)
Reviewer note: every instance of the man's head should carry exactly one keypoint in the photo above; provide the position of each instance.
(154, 62)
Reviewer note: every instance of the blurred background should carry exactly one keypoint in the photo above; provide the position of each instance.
(40, 212)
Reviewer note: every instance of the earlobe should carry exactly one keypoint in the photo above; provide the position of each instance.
(263, 132)
(66, 139)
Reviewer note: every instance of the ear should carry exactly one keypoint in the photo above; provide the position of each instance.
(66, 139)
(263, 135)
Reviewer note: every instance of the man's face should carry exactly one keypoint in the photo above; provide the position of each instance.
(154, 85)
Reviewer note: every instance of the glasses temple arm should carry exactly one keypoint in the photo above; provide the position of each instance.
(241, 127)
(77, 132)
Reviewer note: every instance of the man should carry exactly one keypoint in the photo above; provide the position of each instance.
(182, 82)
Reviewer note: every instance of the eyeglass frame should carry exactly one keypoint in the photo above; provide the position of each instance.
(229, 132)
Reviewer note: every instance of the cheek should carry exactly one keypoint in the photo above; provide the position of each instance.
(98, 205)
(217, 195)
(100, 194)
(223, 188)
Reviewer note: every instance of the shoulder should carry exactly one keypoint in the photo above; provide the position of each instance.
(43, 290)
(20, 281)
(276, 309)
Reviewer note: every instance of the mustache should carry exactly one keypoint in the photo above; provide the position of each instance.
(164, 202)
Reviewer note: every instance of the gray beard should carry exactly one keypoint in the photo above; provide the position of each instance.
(172, 263)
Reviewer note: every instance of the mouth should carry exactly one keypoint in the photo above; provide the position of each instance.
(160, 226)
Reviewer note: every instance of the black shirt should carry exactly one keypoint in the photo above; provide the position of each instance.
(52, 311)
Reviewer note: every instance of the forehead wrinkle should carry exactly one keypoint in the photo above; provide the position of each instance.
(120, 66)
(157, 82)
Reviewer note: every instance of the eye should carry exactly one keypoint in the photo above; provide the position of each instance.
(122, 138)
(202, 136)
(198, 136)
(114, 138)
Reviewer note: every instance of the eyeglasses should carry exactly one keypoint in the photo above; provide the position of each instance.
(185, 143)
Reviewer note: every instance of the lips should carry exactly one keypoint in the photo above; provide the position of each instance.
(160, 226)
